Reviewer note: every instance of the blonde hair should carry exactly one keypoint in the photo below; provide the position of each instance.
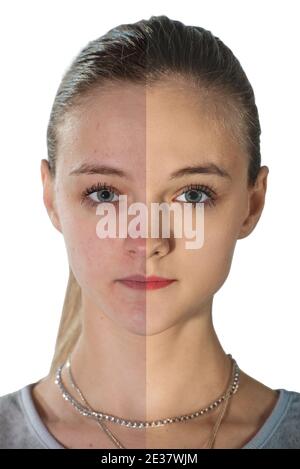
(70, 323)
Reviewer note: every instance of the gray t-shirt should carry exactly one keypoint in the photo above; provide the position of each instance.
(22, 427)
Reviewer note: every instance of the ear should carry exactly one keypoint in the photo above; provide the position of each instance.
(49, 194)
(257, 195)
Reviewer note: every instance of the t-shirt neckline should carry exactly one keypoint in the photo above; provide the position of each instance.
(49, 441)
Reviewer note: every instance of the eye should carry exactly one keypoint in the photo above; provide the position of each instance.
(99, 193)
(198, 194)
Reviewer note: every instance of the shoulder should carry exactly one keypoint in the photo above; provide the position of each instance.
(15, 431)
(294, 402)
(282, 428)
(291, 409)
(289, 426)
(8, 400)
(10, 408)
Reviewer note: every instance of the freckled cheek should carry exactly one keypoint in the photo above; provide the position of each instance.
(92, 258)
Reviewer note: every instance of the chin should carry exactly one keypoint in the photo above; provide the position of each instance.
(143, 321)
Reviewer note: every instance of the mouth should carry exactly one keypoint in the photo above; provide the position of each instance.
(140, 282)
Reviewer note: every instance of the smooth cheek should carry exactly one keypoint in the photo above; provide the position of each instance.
(205, 270)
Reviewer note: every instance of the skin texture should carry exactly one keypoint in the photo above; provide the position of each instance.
(147, 355)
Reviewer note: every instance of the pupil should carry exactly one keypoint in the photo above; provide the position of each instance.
(106, 192)
(195, 195)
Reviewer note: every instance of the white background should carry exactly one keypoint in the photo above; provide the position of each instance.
(256, 313)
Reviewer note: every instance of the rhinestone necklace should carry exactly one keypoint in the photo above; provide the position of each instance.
(87, 411)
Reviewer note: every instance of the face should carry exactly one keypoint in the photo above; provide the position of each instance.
(148, 135)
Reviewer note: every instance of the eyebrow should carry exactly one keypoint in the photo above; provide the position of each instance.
(87, 168)
(210, 168)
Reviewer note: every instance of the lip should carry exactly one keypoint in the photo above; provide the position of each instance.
(141, 282)
(144, 278)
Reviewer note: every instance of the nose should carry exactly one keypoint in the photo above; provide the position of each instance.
(147, 248)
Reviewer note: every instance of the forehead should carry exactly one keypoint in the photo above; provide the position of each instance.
(166, 124)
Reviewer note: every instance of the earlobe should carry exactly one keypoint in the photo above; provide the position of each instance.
(48, 194)
(55, 221)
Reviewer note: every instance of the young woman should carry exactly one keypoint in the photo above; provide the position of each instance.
(160, 112)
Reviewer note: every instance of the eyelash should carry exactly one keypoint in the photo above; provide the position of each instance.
(207, 190)
(95, 188)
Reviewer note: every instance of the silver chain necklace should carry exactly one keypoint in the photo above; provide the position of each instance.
(87, 411)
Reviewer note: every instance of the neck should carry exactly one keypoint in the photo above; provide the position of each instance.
(175, 372)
